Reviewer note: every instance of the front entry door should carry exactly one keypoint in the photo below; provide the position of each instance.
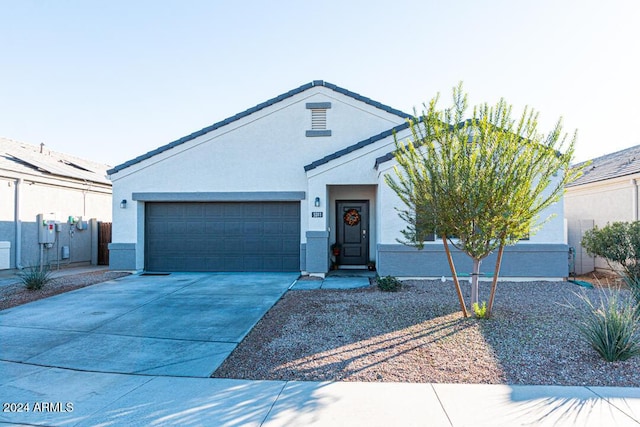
(352, 229)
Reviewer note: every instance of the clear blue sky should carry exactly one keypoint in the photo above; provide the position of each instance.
(110, 80)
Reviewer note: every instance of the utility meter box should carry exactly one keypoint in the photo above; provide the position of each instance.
(46, 230)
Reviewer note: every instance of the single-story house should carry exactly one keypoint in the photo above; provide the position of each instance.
(275, 187)
(42, 189)
(607, 192)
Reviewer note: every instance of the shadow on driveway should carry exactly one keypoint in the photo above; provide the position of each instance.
(183, 324)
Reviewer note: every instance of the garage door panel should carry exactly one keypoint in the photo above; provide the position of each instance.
(254, 210)
(194, 263)
(256, 228)
(291, 246)
(233, 228)
(197, 246)
(232, 246)
(273, 263)
(253, 245)
(193, 210)
(213, 210)
(290, 210)
(176, 227)
(253, 263)
(291, 263)
(214, 228)
(169, 210)
(274, 228)
(231, 210)
(273, 245)
(214, 263)
(233, 263)
(154, 229)
(238, 236)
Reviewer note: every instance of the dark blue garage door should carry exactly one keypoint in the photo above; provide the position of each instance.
(222, 236)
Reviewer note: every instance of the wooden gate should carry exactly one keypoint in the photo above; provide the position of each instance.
(104, 238)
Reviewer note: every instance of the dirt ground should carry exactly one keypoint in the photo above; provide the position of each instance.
(601, 279)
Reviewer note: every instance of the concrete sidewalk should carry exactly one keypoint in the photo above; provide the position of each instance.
(75, 398)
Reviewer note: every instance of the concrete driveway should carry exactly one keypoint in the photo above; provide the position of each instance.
(182, 324)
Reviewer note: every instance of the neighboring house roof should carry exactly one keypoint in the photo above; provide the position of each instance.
(23, 158)
(614, 165)
(254, 109)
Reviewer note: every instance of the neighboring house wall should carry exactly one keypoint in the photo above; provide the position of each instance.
(601, 203)
(606, 192)
(26, 194)
(57, 203)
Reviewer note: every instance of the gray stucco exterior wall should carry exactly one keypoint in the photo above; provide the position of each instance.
(525, 260)
(303, 257)
(80, 244)
(317, 252)
(122, 256)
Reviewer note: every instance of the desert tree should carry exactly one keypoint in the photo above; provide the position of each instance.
(480, 183)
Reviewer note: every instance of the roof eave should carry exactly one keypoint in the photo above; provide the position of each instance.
(252, 110)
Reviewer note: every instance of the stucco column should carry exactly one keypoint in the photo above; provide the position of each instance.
(317, 253)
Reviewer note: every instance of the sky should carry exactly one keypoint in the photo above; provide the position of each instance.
(111, 80)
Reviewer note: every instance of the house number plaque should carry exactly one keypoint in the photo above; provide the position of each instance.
(316, 214)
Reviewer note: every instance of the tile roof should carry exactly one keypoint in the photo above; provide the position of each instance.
(357, 146)
(614, 165)
(23, 158)
(254, 109)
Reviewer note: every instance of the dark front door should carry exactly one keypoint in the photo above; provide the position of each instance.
(352, 229)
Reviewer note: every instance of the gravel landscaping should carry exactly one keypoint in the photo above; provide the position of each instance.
(16, 294)
(419, 335)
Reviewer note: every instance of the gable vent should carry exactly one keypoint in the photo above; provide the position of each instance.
(318, 118)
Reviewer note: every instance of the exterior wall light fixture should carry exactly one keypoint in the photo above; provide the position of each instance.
(123, 204)
(316, 203)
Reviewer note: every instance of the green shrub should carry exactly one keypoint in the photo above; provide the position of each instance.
(618, 244)
(611, 325)
(634, 284)
(480, 311)
(389, 284)
(34, 278)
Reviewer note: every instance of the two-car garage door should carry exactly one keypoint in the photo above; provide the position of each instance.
(222, 236)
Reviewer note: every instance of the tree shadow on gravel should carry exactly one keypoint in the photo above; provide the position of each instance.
(361, 356)
(415, 335)
(419, 335)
